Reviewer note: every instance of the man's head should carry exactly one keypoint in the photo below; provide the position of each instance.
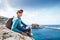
(19, 13)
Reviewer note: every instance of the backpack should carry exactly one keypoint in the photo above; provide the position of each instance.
(9, 23)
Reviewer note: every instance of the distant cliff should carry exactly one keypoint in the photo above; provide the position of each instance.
(36, 26)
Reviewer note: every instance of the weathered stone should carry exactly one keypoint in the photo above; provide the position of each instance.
(6, 34)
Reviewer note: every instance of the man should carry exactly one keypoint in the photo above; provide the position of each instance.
(16, 26)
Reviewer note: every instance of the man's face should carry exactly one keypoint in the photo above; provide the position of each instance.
(19, 15)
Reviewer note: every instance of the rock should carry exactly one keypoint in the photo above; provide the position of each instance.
(6, 34)
(36, 26)
(3, 20)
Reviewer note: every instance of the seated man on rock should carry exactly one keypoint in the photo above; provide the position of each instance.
(17, 22)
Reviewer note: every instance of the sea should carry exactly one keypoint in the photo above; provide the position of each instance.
(47, 32)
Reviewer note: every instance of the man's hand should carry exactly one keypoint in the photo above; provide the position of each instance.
(29, 27)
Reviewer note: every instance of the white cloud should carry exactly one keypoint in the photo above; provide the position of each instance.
(0, 1)
(43, 16)
(7, 11)
(39, 16)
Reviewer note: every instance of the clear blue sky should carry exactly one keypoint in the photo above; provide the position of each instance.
(35, 11)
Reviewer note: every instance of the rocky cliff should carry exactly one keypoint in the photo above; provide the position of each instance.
(3, 20)
(6, 34)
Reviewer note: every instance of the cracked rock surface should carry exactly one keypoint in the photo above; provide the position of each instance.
(6, 34)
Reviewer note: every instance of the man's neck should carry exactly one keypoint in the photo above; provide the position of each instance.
(18, 17)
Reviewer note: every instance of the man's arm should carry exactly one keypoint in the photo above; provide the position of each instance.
(14, 26)
(23, 23)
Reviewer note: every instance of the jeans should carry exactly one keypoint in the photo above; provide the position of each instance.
(23, 29)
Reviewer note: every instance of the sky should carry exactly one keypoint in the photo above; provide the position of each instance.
(43, 12)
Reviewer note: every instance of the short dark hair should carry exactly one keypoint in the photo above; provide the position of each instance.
(20, 11)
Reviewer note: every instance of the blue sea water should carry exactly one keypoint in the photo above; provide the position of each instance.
(46, 33)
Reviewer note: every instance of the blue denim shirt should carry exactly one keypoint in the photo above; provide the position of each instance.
(17, 23)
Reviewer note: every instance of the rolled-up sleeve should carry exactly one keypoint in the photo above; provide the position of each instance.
(14, 26)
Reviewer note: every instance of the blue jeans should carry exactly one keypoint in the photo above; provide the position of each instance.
(23, 29)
